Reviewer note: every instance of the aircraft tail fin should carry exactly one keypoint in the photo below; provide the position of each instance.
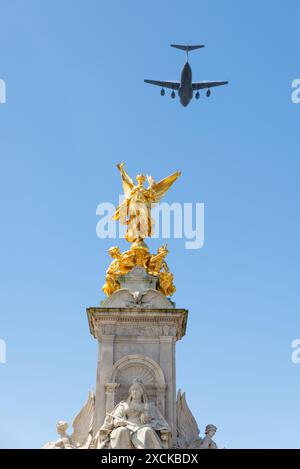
(186, 48)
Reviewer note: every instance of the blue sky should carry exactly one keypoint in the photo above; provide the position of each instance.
(77, 105)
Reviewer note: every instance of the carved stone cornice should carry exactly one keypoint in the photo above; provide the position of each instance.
(126, 322)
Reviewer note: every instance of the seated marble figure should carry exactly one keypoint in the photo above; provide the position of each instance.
(134, 423)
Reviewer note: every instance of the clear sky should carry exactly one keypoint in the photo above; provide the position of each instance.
(77, 105)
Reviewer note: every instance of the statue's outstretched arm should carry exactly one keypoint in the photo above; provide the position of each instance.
(128, 183)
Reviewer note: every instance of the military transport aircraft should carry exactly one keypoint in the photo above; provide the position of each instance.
(186, 86)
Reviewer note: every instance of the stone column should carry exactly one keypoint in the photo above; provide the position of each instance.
(110, 389)
(167, 363)
(161, 397)
(104, 370)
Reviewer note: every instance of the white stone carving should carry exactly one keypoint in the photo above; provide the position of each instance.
(128, 368)
(138, 280)
(82, 429)
(134, 423)
(64, 440)
(207, 442)
(150, 333)
(144, 322)
(132, 367)
(137, 290)
(125, 298)
(137, 328)
(187, 428)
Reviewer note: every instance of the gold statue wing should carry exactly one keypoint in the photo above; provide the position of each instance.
(128, 183)
(158, 189)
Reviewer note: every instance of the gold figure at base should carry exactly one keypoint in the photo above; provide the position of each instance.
(165, 283)
(157, 261)
(138, 255)
(159, 267)
(122, 264)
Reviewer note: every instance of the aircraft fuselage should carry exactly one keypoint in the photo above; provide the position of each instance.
(186, 87)
(185, 91)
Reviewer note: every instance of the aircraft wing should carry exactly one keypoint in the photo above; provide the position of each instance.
(200, 85)
(173, 85)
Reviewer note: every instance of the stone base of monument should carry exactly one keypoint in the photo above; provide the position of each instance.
(137, 328)
(135, 404)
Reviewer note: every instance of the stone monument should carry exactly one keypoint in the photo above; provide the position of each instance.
(137, 326)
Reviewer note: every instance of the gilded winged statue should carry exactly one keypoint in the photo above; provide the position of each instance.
(135, 210)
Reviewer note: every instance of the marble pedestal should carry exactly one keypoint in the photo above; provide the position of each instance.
(137, 329)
